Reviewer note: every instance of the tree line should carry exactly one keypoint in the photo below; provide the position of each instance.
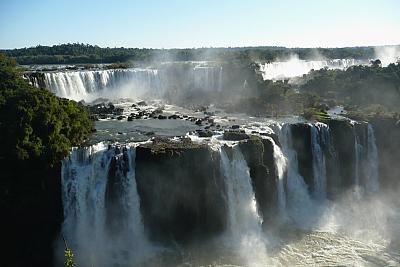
(77, 53)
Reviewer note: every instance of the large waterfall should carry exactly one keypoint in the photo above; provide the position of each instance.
(101, 206)
(366, 160)
(103, 196)
(89, 85)
(243, 214)
(295, 67)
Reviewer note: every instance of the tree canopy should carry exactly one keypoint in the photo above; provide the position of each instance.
(36, 125)
(83, 54)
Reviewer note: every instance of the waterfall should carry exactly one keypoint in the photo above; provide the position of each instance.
(90, 84)
(280, 162)
(295, 67)
(243, 214)
(366, 160)
(358, 151)
(372, 184)
(207, 78)
(244, 236)
(320, 137)
(101, 226)
(298, 201)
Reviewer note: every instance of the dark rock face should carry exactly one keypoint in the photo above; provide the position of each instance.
(260, 160)
(32, 213)
(387, 134)
(344, 142)
(181, 191)
(301, 138)
(119, 166)
(235, 135)
(36, 79)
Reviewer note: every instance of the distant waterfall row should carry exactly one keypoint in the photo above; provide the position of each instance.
(105, 199)
(128, 83)
(296, 67)
(78, 85)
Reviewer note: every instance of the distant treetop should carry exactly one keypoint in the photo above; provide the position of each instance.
(78, 53)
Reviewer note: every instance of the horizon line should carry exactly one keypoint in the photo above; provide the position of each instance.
(208, 47)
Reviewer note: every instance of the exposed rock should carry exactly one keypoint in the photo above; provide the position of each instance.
(141, 103)
(344, 142)
(235, 135)
(387, 134)
(259, 157)
(181, 199)
(204, 133)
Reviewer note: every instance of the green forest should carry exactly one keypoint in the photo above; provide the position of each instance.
(89, 54)
(36, 125)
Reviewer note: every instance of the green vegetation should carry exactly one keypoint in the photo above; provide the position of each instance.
(84, 53)
(69, 258)
(315, 114)
(364, 90)
(36, 125)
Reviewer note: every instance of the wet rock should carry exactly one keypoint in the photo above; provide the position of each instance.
(235, 135)
(235, 126)
(141, 103)
(120, 118)
(174, 116)
(204, 133)
(198, 122)
(162, 117)
(158, 111)
(181, 200)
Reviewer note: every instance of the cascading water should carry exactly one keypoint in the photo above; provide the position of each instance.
(372, 184)
(91, 84)
(280, 162)
(88, 85)
(244, 233)
(207, 78)
(102, 220)
(243, 214)
(320, 138)
(296, 67)
(299, 204)
(366, 160)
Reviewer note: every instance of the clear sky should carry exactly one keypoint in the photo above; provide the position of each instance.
(199, 23)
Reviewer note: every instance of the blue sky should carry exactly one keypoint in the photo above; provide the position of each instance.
(199, 23)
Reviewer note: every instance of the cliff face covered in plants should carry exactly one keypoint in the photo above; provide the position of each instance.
(37, 130)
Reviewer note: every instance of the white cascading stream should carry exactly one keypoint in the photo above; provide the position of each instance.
(366, 161)
(207, 78)
(88, 85)
(298, 202)
(295, 67)
(372, 178)
(242, 205)
(91, 84)
(281, 163)
(244, 236)
(84, 186)
(319, 139)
